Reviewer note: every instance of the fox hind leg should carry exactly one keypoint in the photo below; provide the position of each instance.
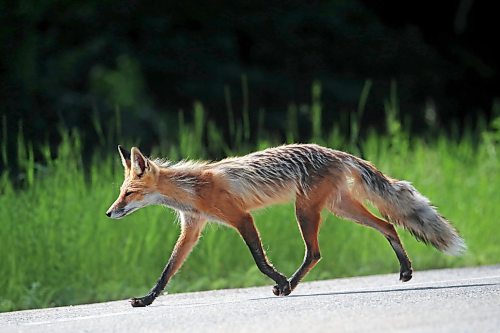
(352, 209)
(309, 221)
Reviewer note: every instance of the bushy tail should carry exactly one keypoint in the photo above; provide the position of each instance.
(400, 203)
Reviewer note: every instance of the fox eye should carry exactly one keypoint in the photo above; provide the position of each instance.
(128, 193)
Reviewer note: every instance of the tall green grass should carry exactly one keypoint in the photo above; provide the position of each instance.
(57, 247)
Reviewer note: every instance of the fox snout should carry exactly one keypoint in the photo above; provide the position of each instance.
(109, 212)
(121, 208)
(116, 212)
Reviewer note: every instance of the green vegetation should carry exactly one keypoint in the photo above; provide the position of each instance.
(58, 247)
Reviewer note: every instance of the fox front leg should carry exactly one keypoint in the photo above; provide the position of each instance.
(191, 228)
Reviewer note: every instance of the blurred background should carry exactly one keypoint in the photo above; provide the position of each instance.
(412, 86)
(67, 62)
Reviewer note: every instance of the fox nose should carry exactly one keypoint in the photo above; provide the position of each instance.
(108, 213)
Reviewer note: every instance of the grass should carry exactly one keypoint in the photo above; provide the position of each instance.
(58, 247)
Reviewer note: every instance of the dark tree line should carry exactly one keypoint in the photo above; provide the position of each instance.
(68, 62)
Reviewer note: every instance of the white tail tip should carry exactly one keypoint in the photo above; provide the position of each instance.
(456, 248)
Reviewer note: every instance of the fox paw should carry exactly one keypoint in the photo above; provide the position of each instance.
(141, 301)
(282, 289)
(405, 276)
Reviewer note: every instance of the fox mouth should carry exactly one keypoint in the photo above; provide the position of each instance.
(119, 215)
(122, 213)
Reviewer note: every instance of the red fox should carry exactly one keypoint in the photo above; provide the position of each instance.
(315, 177)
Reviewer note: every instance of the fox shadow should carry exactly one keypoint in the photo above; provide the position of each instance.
(336, 293)
(369, 291)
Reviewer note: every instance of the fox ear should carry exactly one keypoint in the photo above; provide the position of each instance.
(139, 162)
(125, 157)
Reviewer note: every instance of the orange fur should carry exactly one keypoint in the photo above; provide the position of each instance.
(316, 177)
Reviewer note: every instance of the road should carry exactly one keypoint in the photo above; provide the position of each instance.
(446, 300)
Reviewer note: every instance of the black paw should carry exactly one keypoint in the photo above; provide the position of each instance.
(282, 289)
(141, 301)
(405, 276)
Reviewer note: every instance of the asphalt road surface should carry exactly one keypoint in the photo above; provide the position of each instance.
(447, 300)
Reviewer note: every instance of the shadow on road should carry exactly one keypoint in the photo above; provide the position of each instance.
(334, 293)
(353, 292)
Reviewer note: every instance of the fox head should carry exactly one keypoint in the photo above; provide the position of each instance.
(139, 186)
